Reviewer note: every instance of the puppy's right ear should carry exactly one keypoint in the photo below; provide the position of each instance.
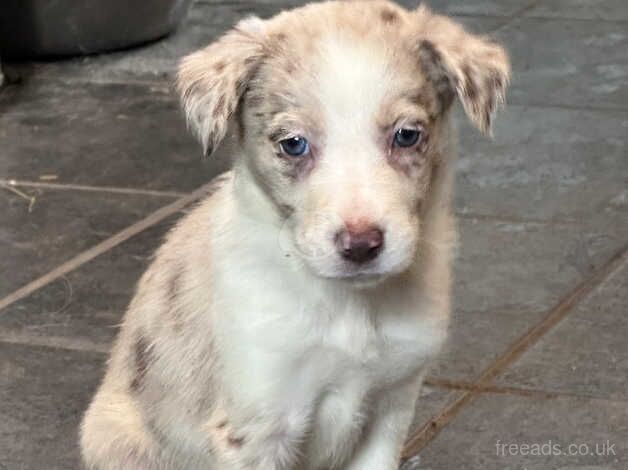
(211, 81)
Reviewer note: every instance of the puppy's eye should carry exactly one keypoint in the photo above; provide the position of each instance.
(406, 137)
(295, 146)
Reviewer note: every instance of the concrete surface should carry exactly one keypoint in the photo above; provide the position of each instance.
(537, 353)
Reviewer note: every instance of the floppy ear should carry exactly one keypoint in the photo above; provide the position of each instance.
(211, 81)
(459, 63)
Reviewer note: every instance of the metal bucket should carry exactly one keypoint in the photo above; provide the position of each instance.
(52, 28)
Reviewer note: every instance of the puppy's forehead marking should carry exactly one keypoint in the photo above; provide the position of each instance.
(353, 80)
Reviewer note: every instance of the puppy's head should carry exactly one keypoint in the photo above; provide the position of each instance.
(341, 109)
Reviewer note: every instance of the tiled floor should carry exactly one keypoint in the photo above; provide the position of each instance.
(538, 354)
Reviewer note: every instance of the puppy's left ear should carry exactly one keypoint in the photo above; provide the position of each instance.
(211, 81)
(461, 64)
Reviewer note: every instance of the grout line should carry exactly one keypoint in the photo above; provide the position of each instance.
(96, 189)
(107, 244)
(423, 436)
(66, 344)
(496, 389)
(555, 315)
(518, 391)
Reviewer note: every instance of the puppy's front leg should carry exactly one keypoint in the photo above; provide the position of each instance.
(270, 441)
(381, 449)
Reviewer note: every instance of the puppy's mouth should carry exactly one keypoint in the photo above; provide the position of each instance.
(363, 280)
(358, 277)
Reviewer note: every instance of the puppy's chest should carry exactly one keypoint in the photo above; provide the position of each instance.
(349, 366)
(353, 346)
(320, 366)
(316, 348)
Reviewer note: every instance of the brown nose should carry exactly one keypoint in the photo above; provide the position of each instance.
(360, 246)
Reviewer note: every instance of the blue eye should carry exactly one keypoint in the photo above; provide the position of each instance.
(406, 137)
(295, 146)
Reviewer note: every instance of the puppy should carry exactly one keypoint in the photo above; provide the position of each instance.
(287, 321)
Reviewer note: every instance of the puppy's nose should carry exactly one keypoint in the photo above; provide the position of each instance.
(360, 246)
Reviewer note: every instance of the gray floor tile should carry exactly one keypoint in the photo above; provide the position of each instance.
(506, 277)
(480, 7)
(111, 135)
(524, 267)
(83, 309)
(476, 340)
(586, 353)
(60, 225)
(43, 394)
(471, 441)
(473, 7)
(545, 164)
(568, 63)
(613, 10)
(480, 24)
